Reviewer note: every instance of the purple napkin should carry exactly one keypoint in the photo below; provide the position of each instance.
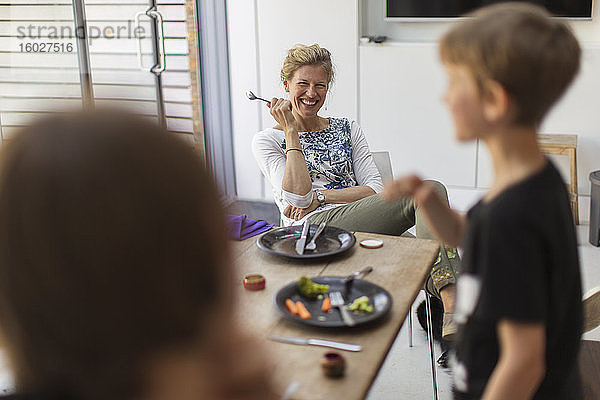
(240, 227)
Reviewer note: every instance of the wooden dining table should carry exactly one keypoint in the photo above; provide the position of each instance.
(400, 267)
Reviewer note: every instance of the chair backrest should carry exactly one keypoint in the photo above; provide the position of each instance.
(384, 164)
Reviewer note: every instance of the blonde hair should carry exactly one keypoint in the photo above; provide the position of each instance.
(301, 55)
(533, 56)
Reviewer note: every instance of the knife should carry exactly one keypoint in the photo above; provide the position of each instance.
(317, 342)
(302, 241)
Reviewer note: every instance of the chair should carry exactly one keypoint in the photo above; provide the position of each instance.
(565, 145)
(384, 165)
(591, 309)
(589, 354)
(589, 368)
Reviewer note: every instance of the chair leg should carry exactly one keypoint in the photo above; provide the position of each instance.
(410, 327)
(430, 342)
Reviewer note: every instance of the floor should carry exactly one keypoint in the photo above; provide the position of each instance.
(406, 373)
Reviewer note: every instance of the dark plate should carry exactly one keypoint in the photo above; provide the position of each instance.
(379, 298)
(282, 241)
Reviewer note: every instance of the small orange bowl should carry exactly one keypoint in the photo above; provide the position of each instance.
(254, 282)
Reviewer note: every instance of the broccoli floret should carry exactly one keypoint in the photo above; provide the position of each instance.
(361, 304)
(310, 289)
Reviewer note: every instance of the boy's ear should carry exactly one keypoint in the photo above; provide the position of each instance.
(286, 85)
(496, 101)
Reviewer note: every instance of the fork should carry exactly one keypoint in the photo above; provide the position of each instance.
(338, 301)
(312, 245)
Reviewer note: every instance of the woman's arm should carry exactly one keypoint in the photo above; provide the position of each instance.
(347, 195)
(366, 172)
(338, 196)
(271, 160)
(446, 224)
(296, 178)
(364, 167)
(521, 366)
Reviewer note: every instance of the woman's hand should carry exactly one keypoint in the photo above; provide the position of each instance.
(281, 110)
(297, 213)
(296, 178)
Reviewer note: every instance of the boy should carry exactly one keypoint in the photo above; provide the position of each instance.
(519, 295)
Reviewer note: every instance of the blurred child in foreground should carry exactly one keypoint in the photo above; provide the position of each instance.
(114, 268)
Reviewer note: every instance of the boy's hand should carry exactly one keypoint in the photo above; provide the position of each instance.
(445, 224)
(407, 186)
(421, 192)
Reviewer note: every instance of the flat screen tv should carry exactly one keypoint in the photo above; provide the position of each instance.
(399, 10)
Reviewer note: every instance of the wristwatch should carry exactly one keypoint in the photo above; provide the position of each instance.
(320, 197)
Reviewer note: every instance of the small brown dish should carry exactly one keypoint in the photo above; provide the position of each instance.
(333, 365)
(254, 282)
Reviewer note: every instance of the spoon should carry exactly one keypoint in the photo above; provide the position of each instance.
(350, 278)
(356, 274)
(252, 96)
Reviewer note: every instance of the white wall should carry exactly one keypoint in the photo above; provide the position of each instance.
(401, 109)
(276, 25)
(372, 12)
(396, 91)
(243, 67)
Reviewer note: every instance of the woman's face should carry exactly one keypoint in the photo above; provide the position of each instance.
(307, 89)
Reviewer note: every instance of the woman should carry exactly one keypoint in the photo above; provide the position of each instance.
(322, 168)
(114, 274)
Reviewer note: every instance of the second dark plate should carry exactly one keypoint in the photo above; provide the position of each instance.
(380, 298)
(282, 241)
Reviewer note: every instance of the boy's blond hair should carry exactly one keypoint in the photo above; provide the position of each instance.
(534, 57)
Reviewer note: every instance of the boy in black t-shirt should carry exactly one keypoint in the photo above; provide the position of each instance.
(519, 296)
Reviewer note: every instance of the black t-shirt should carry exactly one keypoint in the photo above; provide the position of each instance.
(520, 263)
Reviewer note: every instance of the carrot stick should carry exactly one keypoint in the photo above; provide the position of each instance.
(291, 306)
(302, 311)
(326, 304)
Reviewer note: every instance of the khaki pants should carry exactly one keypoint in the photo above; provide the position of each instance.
(375, 215)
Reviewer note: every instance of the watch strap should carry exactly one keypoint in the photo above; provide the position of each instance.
(320, 197)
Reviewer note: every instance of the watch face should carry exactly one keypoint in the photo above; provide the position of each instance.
(321, 197)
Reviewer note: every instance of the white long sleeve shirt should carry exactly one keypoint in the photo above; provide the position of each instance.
(337, 157)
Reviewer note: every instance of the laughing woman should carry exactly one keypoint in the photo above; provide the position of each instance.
(322, 168)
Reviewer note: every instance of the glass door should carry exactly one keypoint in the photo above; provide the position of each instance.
(39, 71)
(129, 54)
(139, 59)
